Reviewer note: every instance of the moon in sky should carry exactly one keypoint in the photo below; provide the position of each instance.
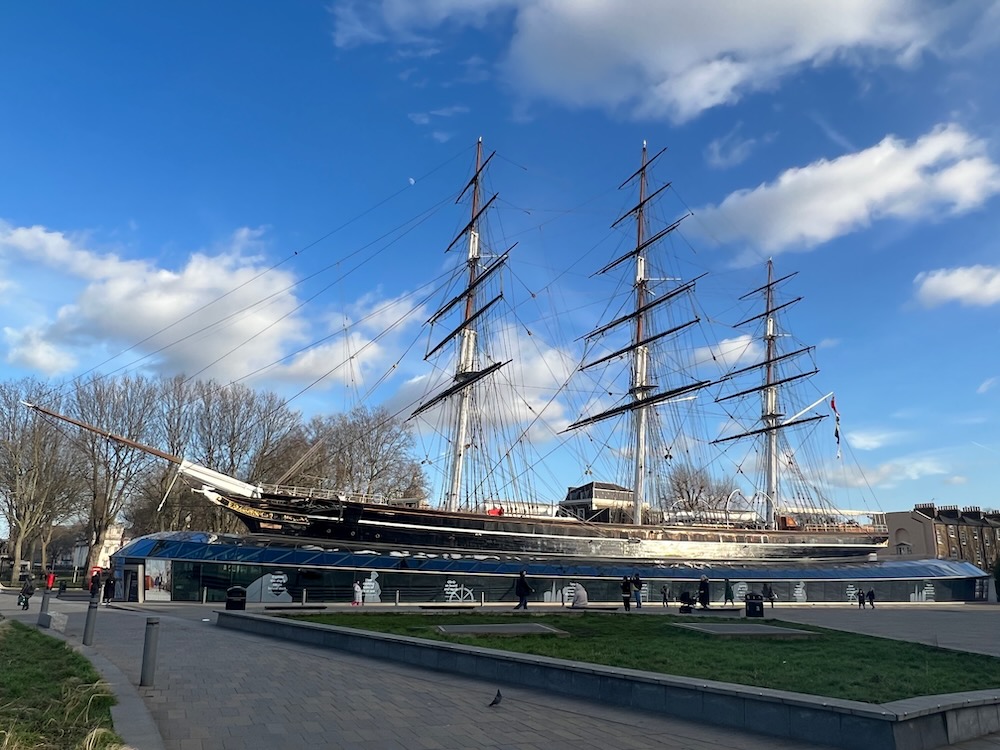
(412, 181)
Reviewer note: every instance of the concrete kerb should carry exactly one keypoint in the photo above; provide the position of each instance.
(913, 724)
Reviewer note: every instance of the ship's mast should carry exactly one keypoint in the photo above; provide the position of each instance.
(640, 382)
(466, 361)
(770, 413)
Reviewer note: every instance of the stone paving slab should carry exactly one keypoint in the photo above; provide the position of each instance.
(748, 630)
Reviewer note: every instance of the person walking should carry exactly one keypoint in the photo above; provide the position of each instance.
(627, 592)
(861, 598)
(109, 589)
(637, 590)
(664, 594)
(729, 594)
(356, 602)
(26, 592)
(703, 592)
(768, 593)
(522, 589)
(95, 584)
(871, 598)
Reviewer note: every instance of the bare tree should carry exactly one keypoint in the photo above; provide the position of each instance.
(694, 490)
(368, 452)
(112, 471)
(238, 432)
(35, 470)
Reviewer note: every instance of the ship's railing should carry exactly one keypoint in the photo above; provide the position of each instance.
(844, 528)
(321, 493)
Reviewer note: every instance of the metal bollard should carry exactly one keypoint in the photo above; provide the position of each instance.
(88, 628)
(204, 594)
(43, 610)
(303, 597)
(397, 597)
(482, 598)
(149, 651)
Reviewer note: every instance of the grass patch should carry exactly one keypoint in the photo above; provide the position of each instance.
(835, 665)
(50, 696)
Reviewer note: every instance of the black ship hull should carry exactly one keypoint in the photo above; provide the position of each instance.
(377, 524)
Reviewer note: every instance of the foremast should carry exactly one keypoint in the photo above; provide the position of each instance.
(643, 392)
(468, 370)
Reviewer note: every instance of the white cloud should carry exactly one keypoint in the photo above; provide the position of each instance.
(956, 479)
(224, 313)
(729, 150)
(868, 440)
(730, 352)
(969, 286)
(27, 348)
(986, 385)
(665, 58)
(946, 171)
(905, 469)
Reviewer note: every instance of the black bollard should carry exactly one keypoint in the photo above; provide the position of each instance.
(88, 628)
(149, 651)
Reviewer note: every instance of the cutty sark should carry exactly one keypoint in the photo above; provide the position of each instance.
(766, 506)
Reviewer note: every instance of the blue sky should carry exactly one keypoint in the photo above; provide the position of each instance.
(160, 158)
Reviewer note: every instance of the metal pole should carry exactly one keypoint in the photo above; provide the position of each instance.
(303, 597)
(397, 597)
(204, 594)
(88, 628)
(149, 651)
(482, 598)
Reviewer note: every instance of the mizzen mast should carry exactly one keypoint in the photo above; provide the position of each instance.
(771, 409)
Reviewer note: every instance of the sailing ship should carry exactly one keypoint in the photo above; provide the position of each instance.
(676, 507)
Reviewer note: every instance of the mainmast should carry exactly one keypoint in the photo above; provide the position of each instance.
(643, 393)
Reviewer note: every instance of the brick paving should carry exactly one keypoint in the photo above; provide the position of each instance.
(224, 690)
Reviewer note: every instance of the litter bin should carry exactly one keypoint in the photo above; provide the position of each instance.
(236, 598)
(755, 605)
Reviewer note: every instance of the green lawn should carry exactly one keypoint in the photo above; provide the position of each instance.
(50, 696)
(836, 664)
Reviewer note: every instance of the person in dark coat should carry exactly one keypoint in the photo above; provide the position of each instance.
(27, 590)
(871, 598)
(95, 585)
(729, 594)
(521, 590)
(861, 598)
(703, 592)
(109, 589)
(627, 592)
(768, 593)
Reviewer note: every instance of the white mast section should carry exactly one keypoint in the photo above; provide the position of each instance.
(466, 353)
(640, 374)
(770, 413)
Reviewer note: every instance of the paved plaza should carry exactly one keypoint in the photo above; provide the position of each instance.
(223, 690)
